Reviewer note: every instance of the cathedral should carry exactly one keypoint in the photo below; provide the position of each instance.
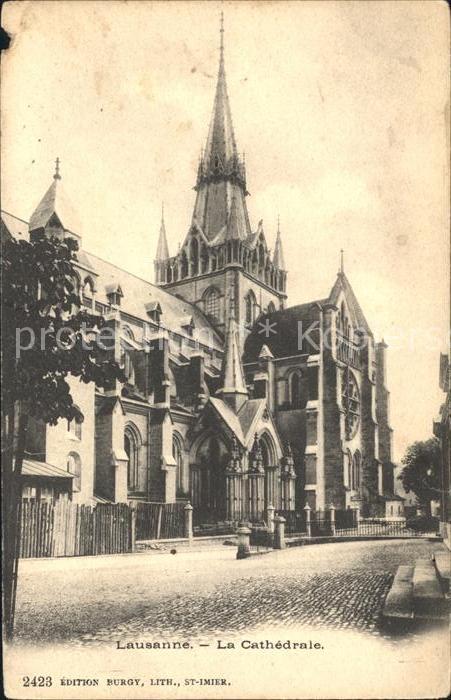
(234, 399)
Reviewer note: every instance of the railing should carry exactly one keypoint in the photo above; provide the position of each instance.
(295, 521)
(348, 351)
(321, 523)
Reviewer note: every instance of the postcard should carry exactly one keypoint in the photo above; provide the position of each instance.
(225, 350)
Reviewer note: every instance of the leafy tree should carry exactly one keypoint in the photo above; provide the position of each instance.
(421, 472)
(46, 338)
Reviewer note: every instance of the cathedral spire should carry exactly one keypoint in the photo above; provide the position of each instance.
(162, 247)
(278, 258)
(221, 174)
(221, 145)
(233, 385)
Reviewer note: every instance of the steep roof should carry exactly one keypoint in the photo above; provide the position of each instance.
(228, 416)
(14, 227)
(279, 331)
(342, 284)
(247, 413)
(55, 202)
(137, 293)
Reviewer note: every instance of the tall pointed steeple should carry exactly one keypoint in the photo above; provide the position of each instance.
(233, 384)
(162, 247)
(278, 258)
(221, 174)
(221, 138)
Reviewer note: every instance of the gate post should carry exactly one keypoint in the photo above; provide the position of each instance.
(244, 536)
(188, 511)
(308, 521)
(332, 519)
(279, 539)
(357, 519)
(270, 517)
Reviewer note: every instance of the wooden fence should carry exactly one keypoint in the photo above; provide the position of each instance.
(156, 521)
(66, 529)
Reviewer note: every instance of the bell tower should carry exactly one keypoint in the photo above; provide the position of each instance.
(221, 254)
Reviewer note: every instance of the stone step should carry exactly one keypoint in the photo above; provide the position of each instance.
(399, 601)
(443, 566)
(428, 598)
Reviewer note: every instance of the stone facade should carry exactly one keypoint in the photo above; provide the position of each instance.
(232, 400)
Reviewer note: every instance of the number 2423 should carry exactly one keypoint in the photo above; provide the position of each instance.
(37, 681)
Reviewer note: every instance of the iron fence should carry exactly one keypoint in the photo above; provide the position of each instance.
(295, 521)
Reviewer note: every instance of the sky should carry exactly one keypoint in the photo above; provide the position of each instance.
(340, 107)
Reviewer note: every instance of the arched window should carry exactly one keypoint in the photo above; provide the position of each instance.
(265, 453)
(250, 303)
(127, 331)
(87, 295)
(211, 303)
(343, 317)
(74, 427)
(127, 366)
(73, 465)
(348, 470)
(194, 256)
(294, 389)
(271, 308)
(356, 470)
(132, 447)
(204, 259)
(183, 265)
(177, 453)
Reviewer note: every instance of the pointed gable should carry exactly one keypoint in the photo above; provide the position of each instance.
(342, 284)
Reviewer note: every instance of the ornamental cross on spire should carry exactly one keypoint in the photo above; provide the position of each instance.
(342, 261)
(57, 175)
(221, 35)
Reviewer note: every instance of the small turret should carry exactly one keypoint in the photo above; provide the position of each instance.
(162, 251)
(54, 213)
(278, 258)
(162, 247)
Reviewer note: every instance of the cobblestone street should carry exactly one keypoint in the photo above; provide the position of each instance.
(203, 593)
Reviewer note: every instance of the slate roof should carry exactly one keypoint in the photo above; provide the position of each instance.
(137, 292)
(15, 227)
(55, 201)
(247, 413)
(228, 416)
(282, 332)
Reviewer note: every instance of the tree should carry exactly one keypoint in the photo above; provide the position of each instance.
(421, 473)
(41, 305)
